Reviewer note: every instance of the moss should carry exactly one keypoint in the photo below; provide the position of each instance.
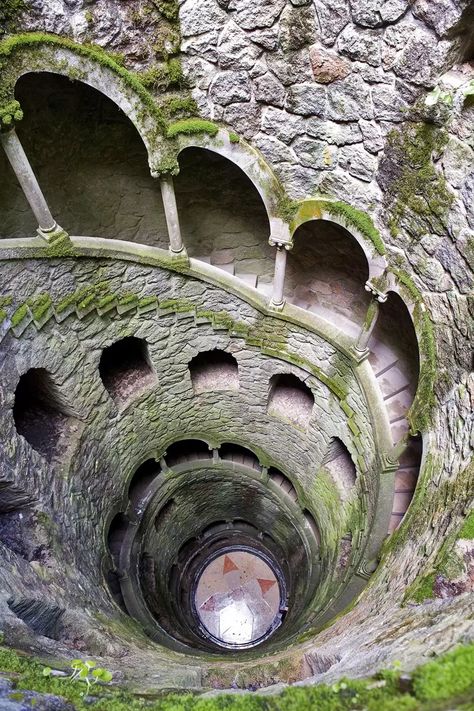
(467, 531)
(286, 208)
(168, 8)
(420, 413)
(192, 126)
(357, 218)
(183, 107)
(422, 589)
(234, 137)
(162, 77)
(10, 13)
(11, 47)
(449, 677)
(19, 315)
(40, 306)
(417, 193)
(5, 301)
(9, 113)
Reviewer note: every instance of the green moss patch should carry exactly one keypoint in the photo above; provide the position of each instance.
(189, 127)
(417, 196)
(467, 531)
(313, 209)
(449, 678)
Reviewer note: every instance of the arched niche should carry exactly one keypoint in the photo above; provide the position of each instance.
(223, 218)
(326, 273)
(90, 161)
(394, 356)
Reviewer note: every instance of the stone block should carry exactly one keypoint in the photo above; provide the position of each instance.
(327, 66)
(349, 100)
(308, 99)
(269, 90)
(230, 87)
(360, 45)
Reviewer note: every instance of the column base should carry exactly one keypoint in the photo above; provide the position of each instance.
(277, 307)
(53, 235)
(179, 257)
(358, 355)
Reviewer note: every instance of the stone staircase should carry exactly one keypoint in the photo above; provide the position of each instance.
(397, 390)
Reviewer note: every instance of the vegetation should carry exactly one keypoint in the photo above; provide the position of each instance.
(192, 126)
(418, 193)
(449, 678)
(467, 531)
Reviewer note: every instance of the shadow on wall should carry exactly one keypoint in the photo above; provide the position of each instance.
(326, 273)
(90, 162)
(223, 218)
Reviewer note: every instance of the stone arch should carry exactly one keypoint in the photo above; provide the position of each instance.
(356, 223)
(327, 270)
(90, 161)
(250, 162)
(209, 191)
(32, 53)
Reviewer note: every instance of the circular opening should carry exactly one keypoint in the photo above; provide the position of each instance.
(239, 598)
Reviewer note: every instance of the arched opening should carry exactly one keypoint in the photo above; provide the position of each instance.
(290, 399)
(223, 219)
(214, 370)
(239, 455)
(394, 357)
(141, 480)
(326, 274)
(283, 483)
(90, 161)
(125, 368)
(338, 462)
(41, 414)
(187, 450)
(117, 530)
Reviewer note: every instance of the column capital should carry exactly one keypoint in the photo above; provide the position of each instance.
(279, 244)
(378, 294)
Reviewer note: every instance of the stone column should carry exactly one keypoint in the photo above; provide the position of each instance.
(278, 300)
(171, 213)
(47, 225)
(361, 345)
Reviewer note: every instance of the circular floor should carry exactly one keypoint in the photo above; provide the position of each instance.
(238, 599)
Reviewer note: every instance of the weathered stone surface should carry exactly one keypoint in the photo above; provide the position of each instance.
(297, 27)
(314, 154)
(372, 136)
(441, 15)
(360, 45)
(422, 58)
(230, 87)
(200, 16)
(282, 125)
(349, 100)
(333, 16)
(331, 132)
(358, 162)
(268, 39)
(234, 50)
(274, 150)
(244, 118)
(306, 99)
(388, 104)
(327, 66)
(203, 46)
(292, 68)
(268, 89)
(254, 15)
(374, 13)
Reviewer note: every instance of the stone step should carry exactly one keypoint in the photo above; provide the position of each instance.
(207, 260)
(229, 268)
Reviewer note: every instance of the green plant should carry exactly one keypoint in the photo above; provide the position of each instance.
(87, 671)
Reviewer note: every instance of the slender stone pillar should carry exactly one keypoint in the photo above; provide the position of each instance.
(47, 225)
(278, 300)
(171, 213)
(361, 345)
